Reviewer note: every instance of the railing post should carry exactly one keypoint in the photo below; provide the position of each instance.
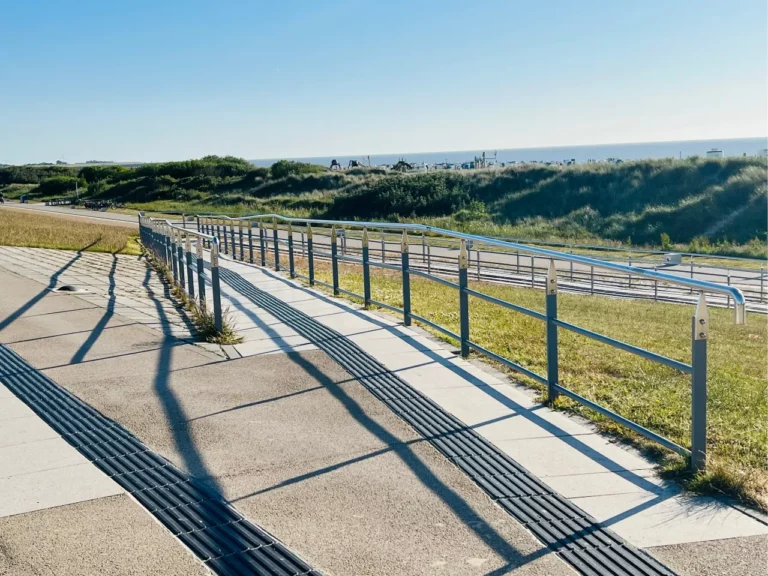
(275, 242)
(180, 257)
(167, 243)
(232, 237)
(406, 280)
(197, 218)
(383, 248)
(464, 298)
(190, 271)
(423, 248)
(240, 234)
(518, 261)
(200, 274)
(552, 367)
(291, 261)
(250, 241)
(591, 279)
(429, 258)
(343, 242)
(366, 271)
(226, 243)
(215, 285)
(303, 246)
(762, 280)
(728, 305)
(262, 248)
(334, 262)
(183, 220)
(310, 256)
(174, 255)
(629, 261)
(478, 264)
(699, 334)
(655, 287)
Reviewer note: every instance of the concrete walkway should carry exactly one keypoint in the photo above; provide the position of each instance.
(613, 483)
(295, 443)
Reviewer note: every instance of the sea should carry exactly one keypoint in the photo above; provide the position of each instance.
(579, 154)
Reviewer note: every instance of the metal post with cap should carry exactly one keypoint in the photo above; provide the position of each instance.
(334, 261)
(180, 257)
(405, 264)
(174, 255)
(699, 335)
(464, 298)
(551, 312)
(216, 285)
(310, 256)
(276, 244)
(366, 271)
(250, 241)
(291, 262)
(262, 248)
(240, 235)
(190, 272)
(200, 274)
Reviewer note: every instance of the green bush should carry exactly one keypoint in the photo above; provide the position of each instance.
(283, 168)
(58, 186)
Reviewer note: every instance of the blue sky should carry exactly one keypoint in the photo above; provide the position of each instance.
(162, 80)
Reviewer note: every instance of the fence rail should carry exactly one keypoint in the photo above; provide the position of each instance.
(350, 242)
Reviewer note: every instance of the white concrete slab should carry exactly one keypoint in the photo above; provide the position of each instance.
(28, 457)
(25, 429)
(11, 407)
(57, 487)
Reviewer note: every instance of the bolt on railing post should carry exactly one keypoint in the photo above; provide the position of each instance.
(240, 234)
(180, 248)
(174, 255)
(291, 262)
(405, 265)
(190, 271)
(366, 271)
(276, 244)
(334, 262)
(464, 299)
(200, 274)
(262, 247)
(551, 309)
(699, 334)
(310, 256)
(216, 285)
(250, 241)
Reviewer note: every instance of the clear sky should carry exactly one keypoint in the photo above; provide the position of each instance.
(170, 79)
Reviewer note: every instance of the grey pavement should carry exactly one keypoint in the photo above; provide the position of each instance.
(291, 440)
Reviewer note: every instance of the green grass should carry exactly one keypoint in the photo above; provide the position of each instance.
(36, 230)
(652, 395)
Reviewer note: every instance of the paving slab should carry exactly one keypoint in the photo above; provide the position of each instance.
(110, 537)
(746, 556)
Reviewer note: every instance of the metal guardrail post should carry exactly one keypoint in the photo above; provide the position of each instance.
(691, 273)
(629, 263)
(276, 244)
(429, 258)
(383, 248)
(224, 233)
(183, 220)
(200, 274)
(700, 333)
(366, 271)
(180, 257)
(334, 262)
(423, 248)
(262, 248)
(728, 305)
(655, 287)
(250, 241)
(591, 279)
(762, 281)
(174, 255)
(478, 264)
(232, 237)
(517, 253)
(197, 218)
(167, 242)
(190, 271)
(303, 246)
(464, 298)
(240, 234)
(291, 261)
(310, 256)
(343, 242)
(551, 310)
(406, 280)
(216, 285)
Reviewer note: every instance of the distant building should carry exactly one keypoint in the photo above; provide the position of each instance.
(714, 153)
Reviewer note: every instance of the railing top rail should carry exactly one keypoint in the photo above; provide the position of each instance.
(190, 231)
(732, 291)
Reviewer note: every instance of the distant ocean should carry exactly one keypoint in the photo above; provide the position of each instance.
(730, 147)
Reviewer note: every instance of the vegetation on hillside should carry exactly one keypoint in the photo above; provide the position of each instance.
(718, 205)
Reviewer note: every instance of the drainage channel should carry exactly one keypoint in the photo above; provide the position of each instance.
(219, 535)
(563, 527)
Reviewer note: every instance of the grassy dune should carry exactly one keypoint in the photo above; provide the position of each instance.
(21, 228)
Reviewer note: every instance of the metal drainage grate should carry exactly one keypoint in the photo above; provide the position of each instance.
(558, 523)
(221, 537)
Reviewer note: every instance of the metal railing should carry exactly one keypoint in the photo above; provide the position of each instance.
(172, 245)
(241, 241)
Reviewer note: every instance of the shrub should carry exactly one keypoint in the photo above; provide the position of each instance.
(283, 168)
(59, 186)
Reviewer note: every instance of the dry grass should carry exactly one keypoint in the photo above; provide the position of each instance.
(36, 230)
(650, 394)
